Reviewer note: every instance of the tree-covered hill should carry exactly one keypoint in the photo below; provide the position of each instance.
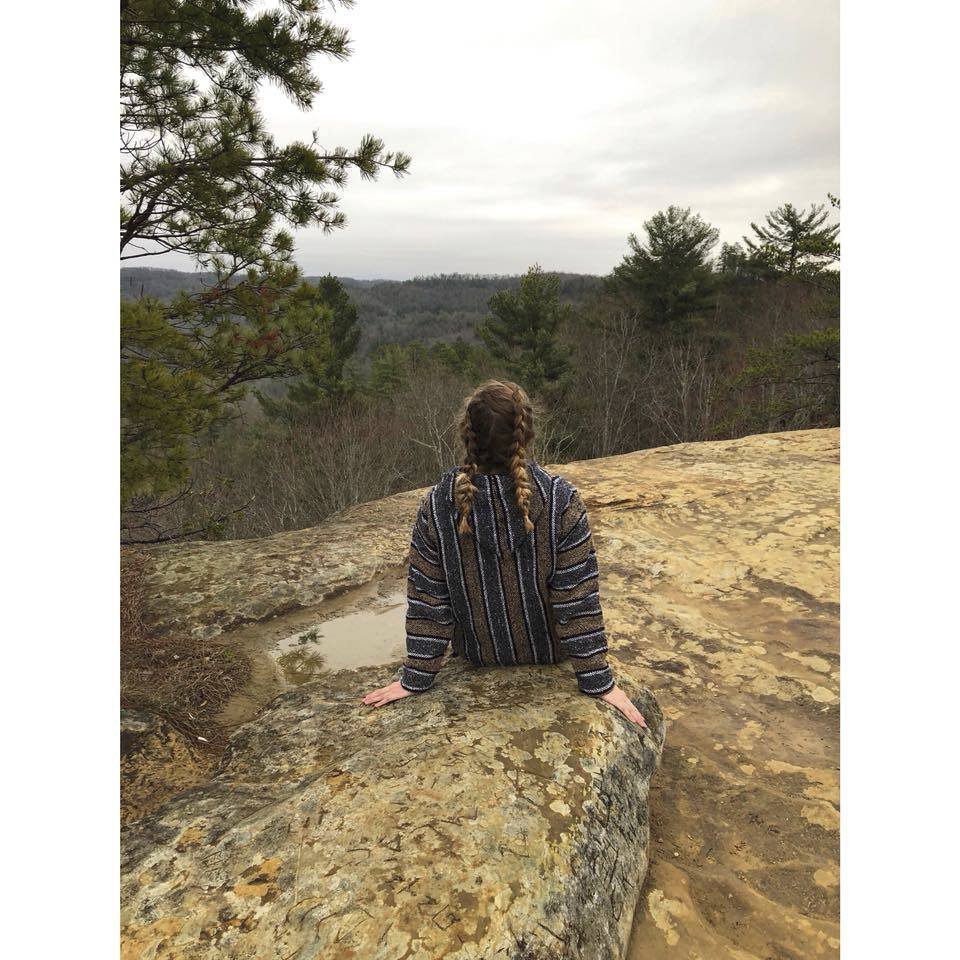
(437, 308)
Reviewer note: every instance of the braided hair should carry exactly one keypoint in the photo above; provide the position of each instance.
(496, 430)
(518, 457)
(464, 486)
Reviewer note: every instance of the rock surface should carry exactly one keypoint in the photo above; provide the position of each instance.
(156, 762)
(720, 582)
(206, 588)
(498, 817)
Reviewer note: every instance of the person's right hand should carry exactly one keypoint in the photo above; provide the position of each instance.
(383, 696)
(617, 698)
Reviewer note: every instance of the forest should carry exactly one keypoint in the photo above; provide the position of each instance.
(254, 399)
(443, 307)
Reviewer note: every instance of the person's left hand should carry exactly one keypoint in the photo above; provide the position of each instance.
(385, 695)
(617, 698)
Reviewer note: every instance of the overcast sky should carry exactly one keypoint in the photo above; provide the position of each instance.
(547, 130)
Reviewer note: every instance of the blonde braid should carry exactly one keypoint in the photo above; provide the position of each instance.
(518, 458)
(464, 487)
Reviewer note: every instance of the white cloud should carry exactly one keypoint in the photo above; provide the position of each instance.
(547, 131)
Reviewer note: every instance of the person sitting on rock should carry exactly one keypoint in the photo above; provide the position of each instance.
(502, 563)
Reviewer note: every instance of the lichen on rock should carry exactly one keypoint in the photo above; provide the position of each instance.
(156, 762)
(499, 814)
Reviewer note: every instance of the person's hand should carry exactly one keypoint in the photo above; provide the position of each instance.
(617, 698)
(383, 696)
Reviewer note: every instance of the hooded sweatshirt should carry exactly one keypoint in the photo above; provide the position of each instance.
(501, 595)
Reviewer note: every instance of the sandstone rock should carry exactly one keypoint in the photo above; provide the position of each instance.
(500, 815)
(207, 588)
(720, 584)
(156, 762)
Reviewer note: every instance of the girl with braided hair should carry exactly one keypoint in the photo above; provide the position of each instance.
(502, 567)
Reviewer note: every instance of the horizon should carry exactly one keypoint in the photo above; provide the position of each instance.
(584, 130)
(344, 276)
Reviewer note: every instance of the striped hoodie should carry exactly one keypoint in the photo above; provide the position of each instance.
(502, 595)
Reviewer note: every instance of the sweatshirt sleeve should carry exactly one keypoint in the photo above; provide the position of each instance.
(430, 621)
(574, 587)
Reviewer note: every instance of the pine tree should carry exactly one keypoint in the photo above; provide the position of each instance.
(324, 382)
(522, 332)
(796, 243)
(731, 263)
(668, 276)
(736, 265)
(200, 173)
(201, 176)
(390, 367)
(186, 366)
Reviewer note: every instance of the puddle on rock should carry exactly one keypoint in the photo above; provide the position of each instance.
(359, 628)
(364, 638)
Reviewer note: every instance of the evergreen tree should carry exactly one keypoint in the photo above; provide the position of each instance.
(327, 384)
(669, 275)
(736, 265)
(468, 359)
(186, 366)
(201, 176)
(200, 173)
(796, 243)
(394, 365)
(523, 331)
(390, 366)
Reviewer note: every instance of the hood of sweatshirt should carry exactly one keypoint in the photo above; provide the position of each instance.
(496, 491)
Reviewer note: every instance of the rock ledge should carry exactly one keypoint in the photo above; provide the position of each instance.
(499, 815)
